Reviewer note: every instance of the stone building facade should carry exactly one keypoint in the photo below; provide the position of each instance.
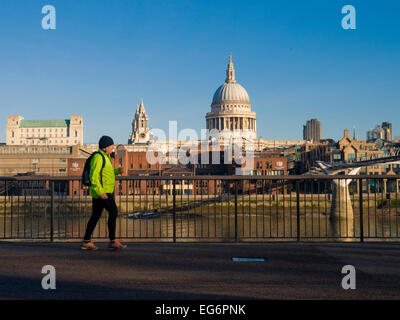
(44, 132)
(140, 126)
(37, 160)
(231, 108)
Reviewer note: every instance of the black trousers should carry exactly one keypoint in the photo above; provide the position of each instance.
(98, 205)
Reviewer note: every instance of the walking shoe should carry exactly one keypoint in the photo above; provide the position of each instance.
(88, 245)
(116, 245)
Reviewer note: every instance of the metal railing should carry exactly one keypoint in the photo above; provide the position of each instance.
(208, 208)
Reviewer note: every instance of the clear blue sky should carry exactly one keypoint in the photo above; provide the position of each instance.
(293, 58)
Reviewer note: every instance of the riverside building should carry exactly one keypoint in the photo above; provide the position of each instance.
(22, 132)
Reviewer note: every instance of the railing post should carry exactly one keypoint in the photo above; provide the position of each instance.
(51, 211)
(298, 209)
(361, 211)
(236, 210)
(174, 209)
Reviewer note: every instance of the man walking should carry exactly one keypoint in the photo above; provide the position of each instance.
(102, 183)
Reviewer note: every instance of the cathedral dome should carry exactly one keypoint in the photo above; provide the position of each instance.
(230, 92)
(231, 107)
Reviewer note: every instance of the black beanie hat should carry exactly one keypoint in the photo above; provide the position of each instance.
(105, 141)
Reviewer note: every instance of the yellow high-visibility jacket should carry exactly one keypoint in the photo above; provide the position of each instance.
(107, 183)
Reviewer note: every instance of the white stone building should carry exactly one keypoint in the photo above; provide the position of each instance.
(44, 132)
(140, 126)
(231, 108)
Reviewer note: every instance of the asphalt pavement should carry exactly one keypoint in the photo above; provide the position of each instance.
(200, 271)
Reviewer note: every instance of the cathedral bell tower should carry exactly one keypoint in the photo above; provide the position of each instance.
(140, 126)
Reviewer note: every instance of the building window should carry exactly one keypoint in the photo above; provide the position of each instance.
(62, 170)
(62, 160)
